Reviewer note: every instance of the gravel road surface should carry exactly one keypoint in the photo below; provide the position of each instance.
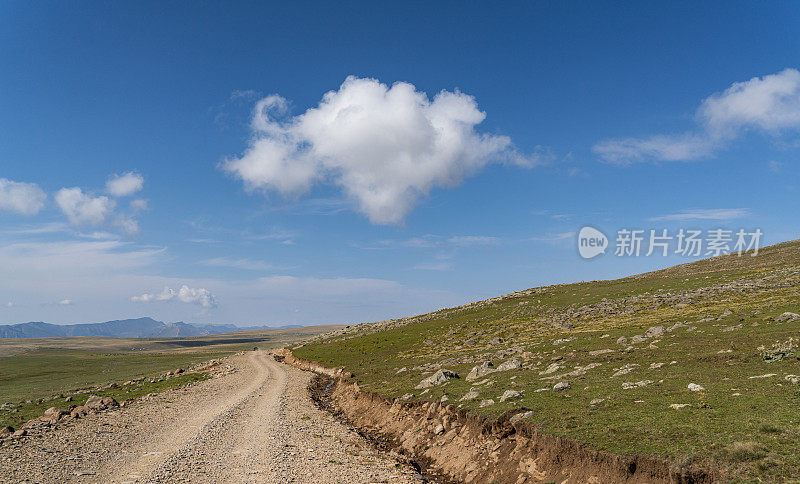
(255, 424)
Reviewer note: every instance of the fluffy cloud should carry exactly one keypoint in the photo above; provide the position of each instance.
(185, 294)
(83, 209)
(770, 104)
(384, 146)
(125, 184)
(22, 198)
(65, 302)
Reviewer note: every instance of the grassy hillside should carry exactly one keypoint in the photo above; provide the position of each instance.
(713, 324)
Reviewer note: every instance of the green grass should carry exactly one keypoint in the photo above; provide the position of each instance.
(27, 411)
(718, 428)
(48, 372)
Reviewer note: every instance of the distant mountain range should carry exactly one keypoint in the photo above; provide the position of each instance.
(123, 328)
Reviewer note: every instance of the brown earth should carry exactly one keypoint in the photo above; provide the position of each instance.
(472, 449)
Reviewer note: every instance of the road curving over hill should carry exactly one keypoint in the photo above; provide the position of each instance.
(256, 424)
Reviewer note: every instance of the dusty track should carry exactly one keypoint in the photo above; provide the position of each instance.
(256, 425)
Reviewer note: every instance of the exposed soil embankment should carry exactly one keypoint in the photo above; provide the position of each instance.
(472, 449)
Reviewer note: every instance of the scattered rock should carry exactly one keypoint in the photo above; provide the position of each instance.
(486, 403)
(695, 387)
(552, 368)
(732, 328)
(676, 326)
(793, 379)
(597, 401)
(472, 394)
(654, 332)
(622, 340)
(628, 385)
(496, 341)
(768, 375)
(401, 370)
(787, 316)
(678, 406)
(654, 366)
(509, 394)
(441, 376)
(511, 364)
(519, 417)
(639, 338)
(624, 370)
(600, 352)
(481, 370)
(563, 385)
(578, 371)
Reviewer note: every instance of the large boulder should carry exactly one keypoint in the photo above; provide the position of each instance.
(441, 376)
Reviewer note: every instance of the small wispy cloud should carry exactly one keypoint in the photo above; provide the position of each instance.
(185, 294)
(473, 240)
(552, 215)
(768, 104)
(704, 214)
(245, 264)
(554, 237)
(432, 241)
(65, 302)
(433, 266)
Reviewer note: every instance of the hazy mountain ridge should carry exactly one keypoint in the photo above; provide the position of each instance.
(122, 328)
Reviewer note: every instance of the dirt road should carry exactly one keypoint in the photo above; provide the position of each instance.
(254, 425)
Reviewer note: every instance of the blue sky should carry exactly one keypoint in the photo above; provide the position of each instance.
(180, 160)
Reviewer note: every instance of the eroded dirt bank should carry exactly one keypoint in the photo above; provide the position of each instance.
(472, 449)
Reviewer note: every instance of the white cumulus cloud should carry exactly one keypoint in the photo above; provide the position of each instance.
(125, 184)
(185, 294)
(384, 146)
(22, 198)
(83, 209)
(770, 104)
